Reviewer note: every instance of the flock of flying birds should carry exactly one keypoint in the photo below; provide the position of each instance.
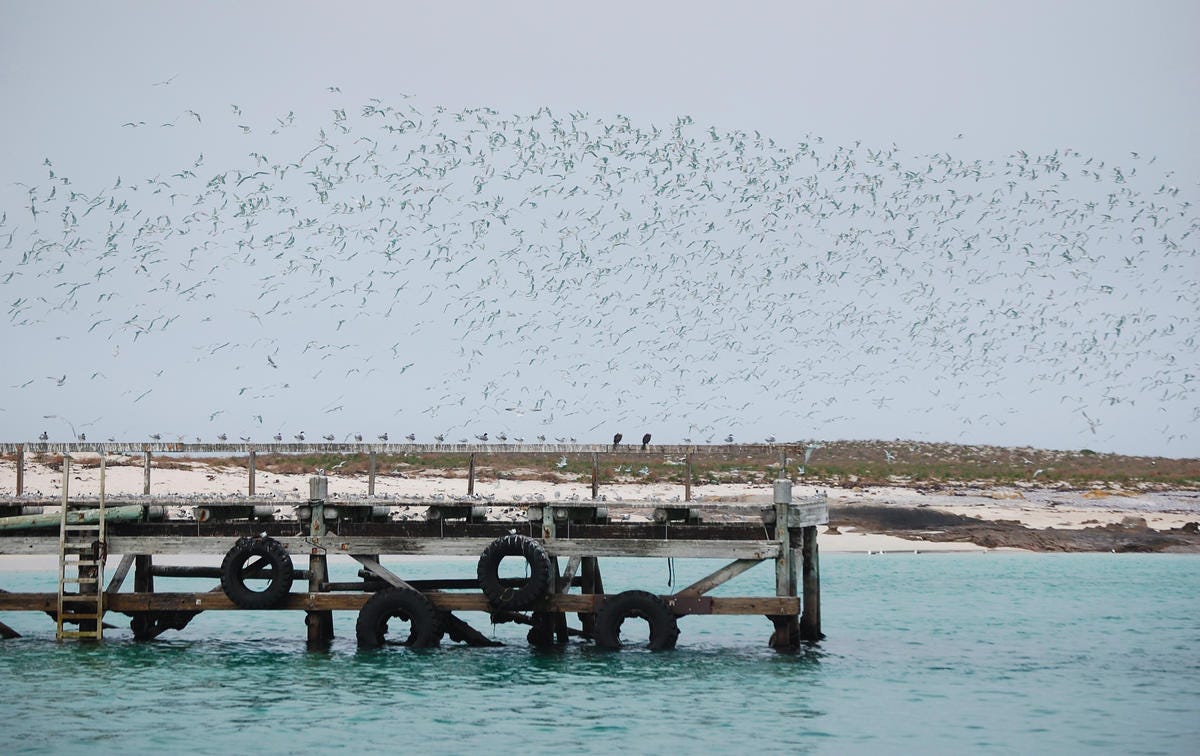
(473, 268)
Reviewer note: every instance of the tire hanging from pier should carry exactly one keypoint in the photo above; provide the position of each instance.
(508, 597)
(664, 630)
(234, 572)
(406, 604)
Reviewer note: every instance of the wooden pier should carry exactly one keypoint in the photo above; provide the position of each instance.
(263, 538)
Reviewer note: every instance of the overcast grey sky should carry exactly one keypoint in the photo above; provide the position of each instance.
(980, 82)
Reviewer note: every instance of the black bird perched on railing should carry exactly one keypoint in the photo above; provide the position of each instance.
(645, 441)
(616, 440)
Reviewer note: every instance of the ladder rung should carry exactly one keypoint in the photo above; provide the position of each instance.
(79, 634)
(80, 580)
(90, 598)
(82, 562)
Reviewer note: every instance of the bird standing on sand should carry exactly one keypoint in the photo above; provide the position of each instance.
(411, 437)
(44, 437)
(645, 441)
(278, 437)
(383, 436)
(617, 439)
(299, 436)
(729, 439)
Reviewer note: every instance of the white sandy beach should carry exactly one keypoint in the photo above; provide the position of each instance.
(1033, 507)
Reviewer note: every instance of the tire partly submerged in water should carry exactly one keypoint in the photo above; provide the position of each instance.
(664, 630)
(270, 561)
(406, 605)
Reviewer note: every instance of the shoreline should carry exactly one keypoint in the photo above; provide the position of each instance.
(879, 519)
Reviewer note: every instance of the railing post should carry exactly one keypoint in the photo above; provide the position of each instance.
(595, 476)
(146, 472)
(250, 468)
(687, 477)
(471, 476)
(20, 469)
(371, 474)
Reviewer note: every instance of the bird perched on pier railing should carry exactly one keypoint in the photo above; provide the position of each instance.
(617, 440)
(383, 436)
(645, 441)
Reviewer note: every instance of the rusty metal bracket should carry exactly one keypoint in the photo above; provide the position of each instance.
(686, 604)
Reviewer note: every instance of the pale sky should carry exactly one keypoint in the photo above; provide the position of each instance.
(926, 327)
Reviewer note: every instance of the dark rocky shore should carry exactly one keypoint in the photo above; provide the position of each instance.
(925, 524)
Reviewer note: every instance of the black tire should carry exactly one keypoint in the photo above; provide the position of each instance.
(406, 604)
(265, 552)
(509, 597)
(664, 630)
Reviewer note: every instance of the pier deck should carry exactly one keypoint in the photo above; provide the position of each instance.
(578, 532)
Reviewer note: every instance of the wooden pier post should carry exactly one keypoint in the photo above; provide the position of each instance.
(20, 469)
(371, 474)
(787, 633)
(471, 476)
(250, 468)
(146, 473)
(810, 619)
(320, 623)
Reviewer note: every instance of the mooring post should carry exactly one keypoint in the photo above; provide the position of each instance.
(787, 631)
(471, 476)
(250, 467)
(371, 474)
(810, 619)
(320, 623)
(146, 472)
(20, 469)
(591, 583)
(595, 476)
(687, 477)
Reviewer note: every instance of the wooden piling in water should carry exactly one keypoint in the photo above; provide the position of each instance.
(810, 617)
(320, 622)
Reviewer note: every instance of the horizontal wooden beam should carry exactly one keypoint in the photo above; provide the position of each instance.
(458, 602)
(388, 545)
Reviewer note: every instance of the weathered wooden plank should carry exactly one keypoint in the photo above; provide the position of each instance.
(375, 568)
(333, 544)
(465, 602)
(723, 575)
(118, 578)
(568, 575)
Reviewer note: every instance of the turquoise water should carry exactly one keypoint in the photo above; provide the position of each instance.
(1000, 653)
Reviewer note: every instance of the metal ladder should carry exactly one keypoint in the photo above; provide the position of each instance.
(81, 552)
